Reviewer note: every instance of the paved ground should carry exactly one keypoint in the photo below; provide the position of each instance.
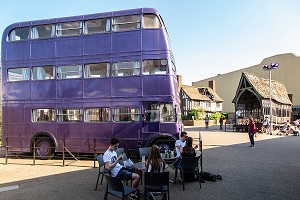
(269, 171)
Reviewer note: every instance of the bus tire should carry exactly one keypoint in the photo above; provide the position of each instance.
(44, 148)
(164, 145)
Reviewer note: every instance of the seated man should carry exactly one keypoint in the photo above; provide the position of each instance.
(112, 164)
(179, 144)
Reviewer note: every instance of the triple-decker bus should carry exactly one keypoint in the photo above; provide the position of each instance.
(74, 82)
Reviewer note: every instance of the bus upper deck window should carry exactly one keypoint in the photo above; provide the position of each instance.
(43, 73)
(126, 23)
(151, 21)
(43, 31)
(155, 66)
(97, 26)
(18, 74)
(126, 68)
(69, 28)
(96, 70)
(19, 34)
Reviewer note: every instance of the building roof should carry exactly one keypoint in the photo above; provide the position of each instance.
(217, 98)
(196, 93)
(261, 85)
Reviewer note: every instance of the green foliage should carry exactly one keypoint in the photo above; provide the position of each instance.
(184, 117)
(193, 112)
(216, 116)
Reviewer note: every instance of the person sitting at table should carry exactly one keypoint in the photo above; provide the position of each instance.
(179, 144)
(188, 150)
(154, 162)
(112, 164)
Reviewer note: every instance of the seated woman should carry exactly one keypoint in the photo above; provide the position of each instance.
(188, 150)
(154, 162)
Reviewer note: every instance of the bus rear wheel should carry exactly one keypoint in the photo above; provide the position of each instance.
(44, 148)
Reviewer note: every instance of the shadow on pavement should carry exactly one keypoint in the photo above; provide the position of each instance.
(271, 170)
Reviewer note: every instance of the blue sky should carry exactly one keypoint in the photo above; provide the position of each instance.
(208, 37)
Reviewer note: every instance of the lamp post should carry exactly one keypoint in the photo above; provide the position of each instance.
(269, 68)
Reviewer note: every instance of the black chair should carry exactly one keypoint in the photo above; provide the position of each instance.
(144, 151)
(104, 171)
(116, 188)
(189, 165)
(156, 182)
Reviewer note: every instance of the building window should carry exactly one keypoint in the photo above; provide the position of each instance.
(69, 28)
(126, 114)
(151, 21)
(97, 70)
(155, 66)
(43, 31)
(18, 74)
(43, 73)
(126, 68)
(69, 115)
(43, 115)
(126, 23)
(97, 115)
(97, 26)
(67, 72)
(19, 34)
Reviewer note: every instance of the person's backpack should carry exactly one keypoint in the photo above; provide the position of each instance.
(210, 177)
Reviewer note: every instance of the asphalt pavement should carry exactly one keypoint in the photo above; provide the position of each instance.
(271, 170)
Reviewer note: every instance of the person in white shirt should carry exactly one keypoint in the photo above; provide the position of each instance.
(112, 164)
(179, 144)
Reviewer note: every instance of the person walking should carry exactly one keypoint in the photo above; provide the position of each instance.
(251, 130)
(221, 122)
(206, 121)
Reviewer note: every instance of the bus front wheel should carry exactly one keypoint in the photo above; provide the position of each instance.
(44, 148)
(164, 145)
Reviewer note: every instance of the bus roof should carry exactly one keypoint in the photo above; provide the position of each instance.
(79, 17)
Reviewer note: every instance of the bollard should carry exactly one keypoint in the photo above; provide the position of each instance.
(94, 153)
(34, 151)
(63, 151)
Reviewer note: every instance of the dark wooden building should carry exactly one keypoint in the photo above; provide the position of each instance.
(253, 97)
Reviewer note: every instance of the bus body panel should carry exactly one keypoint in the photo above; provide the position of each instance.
(117, 92)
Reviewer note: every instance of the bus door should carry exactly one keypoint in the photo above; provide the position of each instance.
(151, 117)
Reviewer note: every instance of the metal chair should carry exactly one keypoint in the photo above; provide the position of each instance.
(104, 171)
(144, 151)
(189, 165)
(156, 182)
(116, 188)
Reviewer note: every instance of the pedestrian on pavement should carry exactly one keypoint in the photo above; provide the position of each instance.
(221, 122)
(206, 121)
(251, 130)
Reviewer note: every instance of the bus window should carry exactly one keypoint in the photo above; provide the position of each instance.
(69, 28)
(151, 112)
(155, 67)
(69, 115)
(96, 26)
(43, 115)
(43, 73)
(100, 70)
(18, 74)
(19, 34)
(126, 23)
(126, 114)
(126, 68)
(67, 72)
(151, 21)
(167, 113)
(43, 31)
(97, 115)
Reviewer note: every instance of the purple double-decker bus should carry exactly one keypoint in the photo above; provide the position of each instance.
(76, 81)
